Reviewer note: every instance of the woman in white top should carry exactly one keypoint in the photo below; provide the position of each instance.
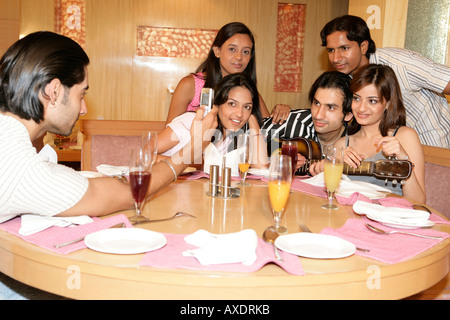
(381, 118)
(237, 98)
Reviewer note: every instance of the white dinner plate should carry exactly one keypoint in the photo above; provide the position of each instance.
(125, 241)
(314, 245)
(402, 223)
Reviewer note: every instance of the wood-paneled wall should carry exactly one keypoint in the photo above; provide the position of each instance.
(125, 86)
(9, 23)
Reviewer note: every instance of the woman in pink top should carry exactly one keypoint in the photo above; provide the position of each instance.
(233, 51)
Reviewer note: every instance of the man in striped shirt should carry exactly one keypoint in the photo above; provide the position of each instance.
(43, 81)
(331, 109)
(423, 83)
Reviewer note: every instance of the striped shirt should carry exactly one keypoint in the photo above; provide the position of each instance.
(30, 184)
(422, 82)
(298, 124)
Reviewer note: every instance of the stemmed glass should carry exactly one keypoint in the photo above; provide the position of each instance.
(280, 179)
(333, 167)
(244, 163)
(150, 142)
(140, 176)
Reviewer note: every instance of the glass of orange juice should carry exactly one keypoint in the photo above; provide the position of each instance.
(280, 179)
(243, 145)
(333, 167)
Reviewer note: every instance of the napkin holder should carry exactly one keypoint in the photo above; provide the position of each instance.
(223, 190)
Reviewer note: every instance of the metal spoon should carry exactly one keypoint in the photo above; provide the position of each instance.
(176, 215)
(376, 230)
(269, 236)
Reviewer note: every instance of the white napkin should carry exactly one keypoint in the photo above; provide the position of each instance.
(390, 214)
(49, 154)
(113, 171)
(259, 172)
(348, 187)
(239, 247)
(32, 224)
(214, 156)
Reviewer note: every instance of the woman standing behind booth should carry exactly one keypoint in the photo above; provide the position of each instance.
(233, 51)
(381, 118)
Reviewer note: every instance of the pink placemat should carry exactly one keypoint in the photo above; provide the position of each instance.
(299, 185)
(171, 257)
(56, 235)
(389, 249)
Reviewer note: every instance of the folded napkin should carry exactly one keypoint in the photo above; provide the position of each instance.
(56, 235)
(347, 187)
(113, 171)
(259, 172)
(49, 154)
(239, 247)
(391, 214)
(389, 249)
(299, 184)
(214, 156)
(32, 224)
(171, 257)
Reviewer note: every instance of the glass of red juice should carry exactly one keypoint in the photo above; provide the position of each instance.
(289, 148)
(140, 177)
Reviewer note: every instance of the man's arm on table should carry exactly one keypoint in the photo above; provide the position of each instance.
(108, 195)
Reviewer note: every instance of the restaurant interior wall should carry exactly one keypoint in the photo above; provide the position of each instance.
(9, 23)
(124, 86)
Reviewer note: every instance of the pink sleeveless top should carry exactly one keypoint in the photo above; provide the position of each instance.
(199, 84)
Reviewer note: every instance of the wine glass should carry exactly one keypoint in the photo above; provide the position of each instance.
(140, 176)
(333, 167)
(289, 148)
(280, 179)
(150, 142)
(244, 163)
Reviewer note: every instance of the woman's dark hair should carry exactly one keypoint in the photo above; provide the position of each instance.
(222, 90)
(385, 80)
(355, 27)
(32, 63)
(211, 66)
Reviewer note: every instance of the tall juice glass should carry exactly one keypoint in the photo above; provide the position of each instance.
(150, 143)
(243, 146)
(289, 148)
(280, 179)
(333, 167)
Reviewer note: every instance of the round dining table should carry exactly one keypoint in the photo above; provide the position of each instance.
(88, 274)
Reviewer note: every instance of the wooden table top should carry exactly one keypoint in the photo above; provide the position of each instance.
(87, 274)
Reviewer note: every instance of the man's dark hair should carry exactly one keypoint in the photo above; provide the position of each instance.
(32, 63)
(355, 27)
(334, 80)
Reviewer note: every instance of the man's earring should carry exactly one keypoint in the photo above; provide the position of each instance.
(51, 104)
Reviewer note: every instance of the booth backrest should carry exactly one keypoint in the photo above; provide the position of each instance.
(110, 141)
(437, 178)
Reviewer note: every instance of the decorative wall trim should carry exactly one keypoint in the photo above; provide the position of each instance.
(174, 42)
(70, 20)
(289, 47)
